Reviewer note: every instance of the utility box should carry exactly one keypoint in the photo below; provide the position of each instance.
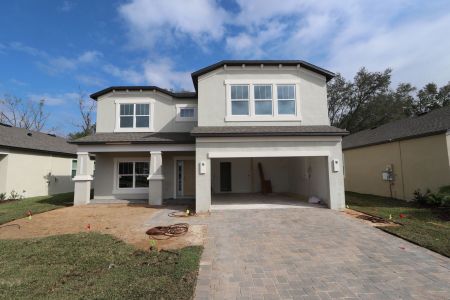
(388, 174)
(335, 165)
(202, 167)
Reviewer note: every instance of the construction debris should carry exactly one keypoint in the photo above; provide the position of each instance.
(167, 232)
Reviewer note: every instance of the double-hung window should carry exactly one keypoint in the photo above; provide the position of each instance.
(74, 167)
(286, 99)
(133, 174)
(239, 100)
(134, 115)
(263, 99)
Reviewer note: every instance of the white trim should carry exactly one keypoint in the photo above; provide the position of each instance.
(137, 148)
(232, 154)
(116, 189)
(83, 178)
(179, 118)
(151, 104)
(268, 139)
(175, 172)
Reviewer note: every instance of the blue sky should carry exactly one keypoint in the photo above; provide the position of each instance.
(53, 49)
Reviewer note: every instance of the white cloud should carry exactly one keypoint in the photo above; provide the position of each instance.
(161, 73)
(60, 64)
(154, 22)
(66, 6)
(127, 75)
(408, 36)
(54, 99)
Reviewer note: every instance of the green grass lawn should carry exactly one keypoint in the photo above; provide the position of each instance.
(14, 210)
(93, 266)
(427, 227)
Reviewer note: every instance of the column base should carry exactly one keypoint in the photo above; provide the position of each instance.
(82, 191)
(155, 187)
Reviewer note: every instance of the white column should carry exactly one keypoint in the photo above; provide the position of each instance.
(83, 178)
(155, 179)
(202, 181)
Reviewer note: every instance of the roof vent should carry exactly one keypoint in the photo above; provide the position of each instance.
(29, 134)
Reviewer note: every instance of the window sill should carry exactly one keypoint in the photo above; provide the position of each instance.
(261, 118)
(134, 130)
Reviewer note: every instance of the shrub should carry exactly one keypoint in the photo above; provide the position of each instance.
(444, 189)
(441, 198)
(2, 196)
(420, 198)
(15, 195)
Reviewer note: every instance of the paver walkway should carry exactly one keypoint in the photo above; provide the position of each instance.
(313, 253)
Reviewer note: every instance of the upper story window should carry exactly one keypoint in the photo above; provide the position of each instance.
(239, 100)
(134, 115)
(262, 100)
(186, 112)
(286, 99)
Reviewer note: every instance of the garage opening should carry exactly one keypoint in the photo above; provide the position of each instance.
(268, 182)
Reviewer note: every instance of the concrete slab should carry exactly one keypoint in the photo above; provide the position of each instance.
(258, 201)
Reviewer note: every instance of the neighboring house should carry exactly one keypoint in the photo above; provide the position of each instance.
(397, 158)
(155, 144)
(35, 163)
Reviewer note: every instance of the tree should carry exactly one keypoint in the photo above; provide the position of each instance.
(87, 125)
(23, 114)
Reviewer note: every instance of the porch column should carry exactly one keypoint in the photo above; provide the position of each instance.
(155, 179)
(82, 179)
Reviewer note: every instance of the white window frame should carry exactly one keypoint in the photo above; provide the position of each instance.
(132, 190)
(71, 167)
(179, 118)
(294, 99)
(150, 127)
(241, 100)
(252, 117)
(263, 100)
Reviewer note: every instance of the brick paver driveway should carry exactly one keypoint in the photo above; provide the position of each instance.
(313, 253)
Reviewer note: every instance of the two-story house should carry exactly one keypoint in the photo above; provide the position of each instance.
(247, 118)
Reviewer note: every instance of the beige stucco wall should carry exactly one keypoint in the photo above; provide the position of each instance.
(208, 148)
(164, 111)
(419, 163)
(104, 179)
(35, 173)
(311, 91)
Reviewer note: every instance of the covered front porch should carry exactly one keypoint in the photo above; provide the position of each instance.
(141, 173)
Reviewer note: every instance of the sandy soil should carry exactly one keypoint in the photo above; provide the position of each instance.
(126, 222)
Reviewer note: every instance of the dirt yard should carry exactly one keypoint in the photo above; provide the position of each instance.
(126, 222)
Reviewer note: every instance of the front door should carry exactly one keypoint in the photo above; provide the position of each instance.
(225, 176)
(185, 175)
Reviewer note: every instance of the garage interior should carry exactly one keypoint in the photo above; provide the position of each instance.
(268, 182)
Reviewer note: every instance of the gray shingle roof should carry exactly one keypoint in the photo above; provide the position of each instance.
(137, 138)
(20, 138)
(434, 122)
(267, 131)
(176, 95)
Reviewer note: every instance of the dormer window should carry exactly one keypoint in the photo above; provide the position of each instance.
(134, 115)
